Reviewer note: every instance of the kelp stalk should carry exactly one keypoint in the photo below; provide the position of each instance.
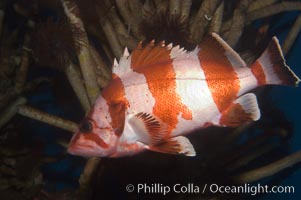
(86, 62)
(74, 78)
(36, 114)
(11, 110)
(237, 23)
(86, 176)
(270, 169)
(202, 19)
(1, 20)
(217, 19)
(22, 72)
(292, 35)
(272, 10)
(257, 4)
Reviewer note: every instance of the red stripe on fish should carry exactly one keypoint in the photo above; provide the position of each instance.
(220, 75)
(258, 73)
(161, 82)
(93, 137)
(114, 95)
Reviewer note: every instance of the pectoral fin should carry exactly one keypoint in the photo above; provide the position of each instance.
(148, 128)
(152, 134)
(176, 145)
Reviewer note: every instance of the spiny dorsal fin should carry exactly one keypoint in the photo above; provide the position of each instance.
(150, 54)
(215, 50)
(142, 56)
(243, 110)
(175, 145)
(149, 129)
(177, 52)
(124, 65)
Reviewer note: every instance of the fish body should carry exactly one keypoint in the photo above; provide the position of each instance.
(159, 93)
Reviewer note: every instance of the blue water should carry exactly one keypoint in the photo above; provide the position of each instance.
(65, 172)
(288, 99)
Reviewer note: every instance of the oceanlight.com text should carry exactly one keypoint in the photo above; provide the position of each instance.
(250, 189)
(191, 188)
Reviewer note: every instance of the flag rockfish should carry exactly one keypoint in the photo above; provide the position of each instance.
(159, 93)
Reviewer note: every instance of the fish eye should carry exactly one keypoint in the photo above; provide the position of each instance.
(86, 126)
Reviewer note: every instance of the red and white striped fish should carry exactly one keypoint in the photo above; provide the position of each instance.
(159, 93)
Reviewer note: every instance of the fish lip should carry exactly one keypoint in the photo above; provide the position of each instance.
(78, 150)
(73, 149)
(72, 152)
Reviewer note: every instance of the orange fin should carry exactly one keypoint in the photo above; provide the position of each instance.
(216, 51)
(176, 145)
(270, 67)
(243, 110)
(142, 56)
(149, 129)
(150, 54)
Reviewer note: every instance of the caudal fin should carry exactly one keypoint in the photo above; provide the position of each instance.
(270, 67)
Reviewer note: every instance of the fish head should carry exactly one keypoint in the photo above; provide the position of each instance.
(92, 140)
(97, 135)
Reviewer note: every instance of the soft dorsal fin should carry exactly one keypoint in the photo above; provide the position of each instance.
(150, 54)
(149, 129)
(215, 50)
(175, 145)
(243, 110)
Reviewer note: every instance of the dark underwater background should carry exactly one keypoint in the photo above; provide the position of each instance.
(288, 100)
(62, 173)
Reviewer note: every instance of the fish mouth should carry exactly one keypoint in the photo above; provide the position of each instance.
(78, 149)
(86, 151)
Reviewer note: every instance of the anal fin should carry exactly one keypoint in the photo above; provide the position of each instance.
(176, 145)
(243, 110)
